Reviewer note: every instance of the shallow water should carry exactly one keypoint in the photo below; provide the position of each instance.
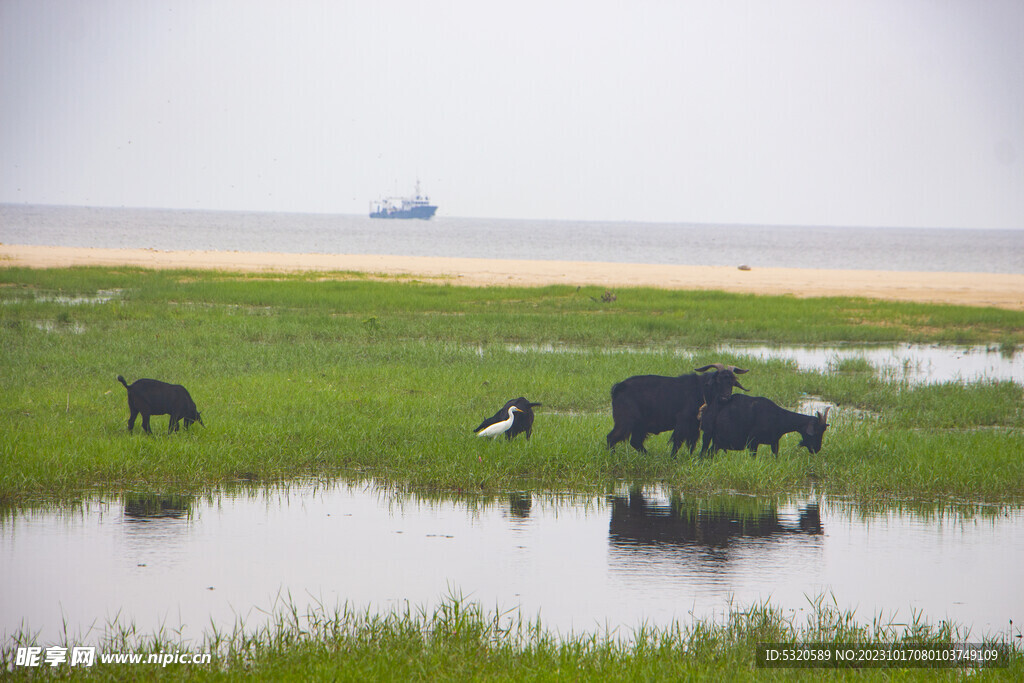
(910, 363)
(580, 562)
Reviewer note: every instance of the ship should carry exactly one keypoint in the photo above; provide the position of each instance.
(417, 206)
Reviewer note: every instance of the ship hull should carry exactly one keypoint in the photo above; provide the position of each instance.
(422, 212)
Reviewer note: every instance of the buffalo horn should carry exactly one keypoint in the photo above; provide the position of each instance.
(721, 367)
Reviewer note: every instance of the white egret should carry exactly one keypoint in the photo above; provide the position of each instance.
(523, 422)
(500, 427)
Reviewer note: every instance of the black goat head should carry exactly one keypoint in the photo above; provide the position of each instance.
(725, 378)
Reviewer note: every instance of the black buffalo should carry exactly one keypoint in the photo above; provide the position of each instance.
(651, 404)
(153, 397)
(746, 422)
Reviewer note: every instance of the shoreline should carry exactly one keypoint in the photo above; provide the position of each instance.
(1001, 290)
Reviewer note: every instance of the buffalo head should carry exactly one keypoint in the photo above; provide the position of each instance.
(719, 385)
(812, 434)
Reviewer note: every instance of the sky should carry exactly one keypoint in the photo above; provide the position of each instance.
(905, 113)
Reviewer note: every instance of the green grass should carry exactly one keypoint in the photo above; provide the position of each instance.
(460, 640)
(337, 374)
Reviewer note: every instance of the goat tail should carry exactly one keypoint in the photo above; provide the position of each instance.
(534, 405)
(121, 380)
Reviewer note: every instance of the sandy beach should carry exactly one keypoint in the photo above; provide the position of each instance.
(968, 289)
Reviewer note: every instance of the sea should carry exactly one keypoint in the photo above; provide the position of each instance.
(757, 246)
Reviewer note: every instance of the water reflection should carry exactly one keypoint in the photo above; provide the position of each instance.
(640, 519)
(702, 549)
(148, 506)
(580, 561)
(519, 504)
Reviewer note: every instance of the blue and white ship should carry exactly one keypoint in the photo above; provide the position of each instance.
(417, 206)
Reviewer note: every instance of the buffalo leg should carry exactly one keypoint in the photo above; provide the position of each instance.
(686, 430)
(637, 441)
(705, 444)
(678, 438)
(616, 435)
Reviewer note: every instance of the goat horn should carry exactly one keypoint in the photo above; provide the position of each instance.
(717, 366)
(823, 417)
(721, 367)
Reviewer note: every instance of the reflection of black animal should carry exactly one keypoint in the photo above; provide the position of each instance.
(651, 404)
(143, 506)
(520, 503)
(153, 397)
(522, 422)
(749, 421)
(715, 523)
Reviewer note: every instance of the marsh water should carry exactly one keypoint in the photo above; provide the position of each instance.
(909, 363)
(583, 562)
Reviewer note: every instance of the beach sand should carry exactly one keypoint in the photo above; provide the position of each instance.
(968, 289)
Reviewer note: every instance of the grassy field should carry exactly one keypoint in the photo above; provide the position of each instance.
(339, 373)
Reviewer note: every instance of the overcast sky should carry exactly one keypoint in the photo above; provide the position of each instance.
(875, 113)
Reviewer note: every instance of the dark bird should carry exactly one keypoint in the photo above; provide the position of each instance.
(520, 420)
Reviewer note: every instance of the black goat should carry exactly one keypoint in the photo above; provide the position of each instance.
(745, 422)
(651, 404)
(522, 422)
(153, 397)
